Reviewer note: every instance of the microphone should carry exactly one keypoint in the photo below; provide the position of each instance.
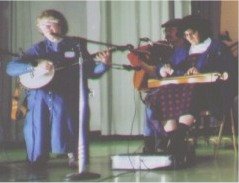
(144, 39)
(125, 47)
(64, 36)
(57, 35)
(129, 67)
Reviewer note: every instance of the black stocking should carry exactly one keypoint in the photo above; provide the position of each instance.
(177, 144)
(149, 144)
(181, 137)
(172, 143)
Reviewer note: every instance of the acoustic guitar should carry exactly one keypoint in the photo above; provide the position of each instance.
(146, 57)
(137, 57)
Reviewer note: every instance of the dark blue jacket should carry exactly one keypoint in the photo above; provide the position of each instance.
(53, 116)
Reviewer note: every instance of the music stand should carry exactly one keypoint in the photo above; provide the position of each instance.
(83, 155)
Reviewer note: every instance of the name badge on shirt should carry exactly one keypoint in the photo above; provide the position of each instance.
(69, 54)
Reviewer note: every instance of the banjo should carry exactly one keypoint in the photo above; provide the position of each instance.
(40, 77)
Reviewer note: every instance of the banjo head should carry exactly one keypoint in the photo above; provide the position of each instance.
(37, 78)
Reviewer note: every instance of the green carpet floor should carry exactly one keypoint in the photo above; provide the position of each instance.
(223, 168)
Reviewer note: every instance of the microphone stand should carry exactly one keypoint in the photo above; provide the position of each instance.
(129, 46)
(83, 145)
(125, 67)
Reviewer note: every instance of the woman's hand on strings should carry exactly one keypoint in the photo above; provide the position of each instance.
(192, 71)
(166, 70)
(104, 57)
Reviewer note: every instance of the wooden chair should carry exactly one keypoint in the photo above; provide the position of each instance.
(203, 129)
(217, 142)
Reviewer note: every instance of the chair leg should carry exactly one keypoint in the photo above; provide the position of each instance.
(219, 138)
(204, 125)
(234, 138)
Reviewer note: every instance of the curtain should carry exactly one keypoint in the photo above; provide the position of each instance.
(116, 107)
(5, 81)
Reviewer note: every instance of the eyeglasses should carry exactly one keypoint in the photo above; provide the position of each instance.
(170, 29)
(47, 23)
(189, 33)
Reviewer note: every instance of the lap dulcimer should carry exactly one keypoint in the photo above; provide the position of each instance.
(196, 78)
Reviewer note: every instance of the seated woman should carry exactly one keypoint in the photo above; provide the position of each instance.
(204, 55)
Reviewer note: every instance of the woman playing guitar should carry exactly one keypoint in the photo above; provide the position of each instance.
(151, 65)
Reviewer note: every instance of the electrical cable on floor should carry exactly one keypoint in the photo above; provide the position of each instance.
(131, 132)
(115, 176)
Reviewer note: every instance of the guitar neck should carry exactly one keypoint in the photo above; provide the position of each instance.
(114, 48)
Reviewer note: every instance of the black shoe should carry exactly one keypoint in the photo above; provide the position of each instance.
(185, 157)
(147, 150)
(179, 163)
(190, 155)
(149, 145)
(161, 145)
